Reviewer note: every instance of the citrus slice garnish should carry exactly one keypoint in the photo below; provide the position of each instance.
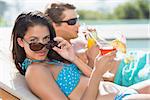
(119, 45)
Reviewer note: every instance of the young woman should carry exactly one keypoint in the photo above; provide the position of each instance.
(33, 39)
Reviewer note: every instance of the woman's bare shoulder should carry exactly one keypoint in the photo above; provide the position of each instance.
(41, 81)
(37, 69)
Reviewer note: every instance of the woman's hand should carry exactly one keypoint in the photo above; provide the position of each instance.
(103, 63)
(65, 50)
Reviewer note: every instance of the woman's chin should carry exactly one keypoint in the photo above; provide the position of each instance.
(43, 57)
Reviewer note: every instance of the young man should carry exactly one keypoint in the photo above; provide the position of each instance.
(65, 22)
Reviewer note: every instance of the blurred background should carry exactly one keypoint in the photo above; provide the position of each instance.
(109, 17)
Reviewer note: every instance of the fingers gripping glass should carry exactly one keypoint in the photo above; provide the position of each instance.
(40, 46)
(70, 21)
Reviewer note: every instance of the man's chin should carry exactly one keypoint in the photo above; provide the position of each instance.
(74, 37)
(70, 38)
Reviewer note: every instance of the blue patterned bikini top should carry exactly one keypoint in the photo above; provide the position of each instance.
(67, 79)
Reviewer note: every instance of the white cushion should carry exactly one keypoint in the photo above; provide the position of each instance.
(10, 79)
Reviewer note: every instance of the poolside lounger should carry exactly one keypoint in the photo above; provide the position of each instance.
(12, 81)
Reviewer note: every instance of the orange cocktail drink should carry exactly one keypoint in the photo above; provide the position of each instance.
(91, 42)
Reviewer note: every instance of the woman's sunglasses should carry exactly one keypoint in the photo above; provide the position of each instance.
(70, 21)
(40, 46)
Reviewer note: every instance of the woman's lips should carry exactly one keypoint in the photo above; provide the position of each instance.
(42, 53)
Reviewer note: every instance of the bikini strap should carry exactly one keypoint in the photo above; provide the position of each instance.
(27, 62)
(56, 62)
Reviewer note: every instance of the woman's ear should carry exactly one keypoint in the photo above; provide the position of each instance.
(20, 42)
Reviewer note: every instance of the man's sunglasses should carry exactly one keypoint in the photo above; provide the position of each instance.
(39, 46)
(70, 21)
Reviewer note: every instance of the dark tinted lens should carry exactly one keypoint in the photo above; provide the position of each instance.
(51, 44)
(36, 46)
(72, 21)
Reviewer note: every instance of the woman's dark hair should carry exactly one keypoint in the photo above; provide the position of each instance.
(22, 23)
(54, 11)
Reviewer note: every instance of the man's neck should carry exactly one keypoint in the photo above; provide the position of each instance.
(68, 40)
